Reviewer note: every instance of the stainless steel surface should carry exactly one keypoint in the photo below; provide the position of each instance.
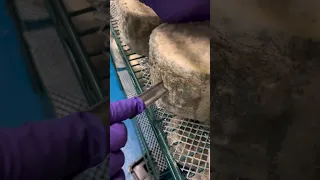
(153, 94)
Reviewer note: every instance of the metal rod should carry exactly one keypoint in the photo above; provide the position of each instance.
(153, 94)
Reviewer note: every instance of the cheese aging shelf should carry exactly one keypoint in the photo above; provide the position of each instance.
(178, 144)
(173, 147)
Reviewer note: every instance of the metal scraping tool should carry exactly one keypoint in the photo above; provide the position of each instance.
(153, 94)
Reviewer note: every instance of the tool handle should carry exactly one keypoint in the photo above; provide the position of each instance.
(153, 94)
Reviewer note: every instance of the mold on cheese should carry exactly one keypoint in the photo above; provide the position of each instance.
(266, 65)
(180, 57)
(136, 22)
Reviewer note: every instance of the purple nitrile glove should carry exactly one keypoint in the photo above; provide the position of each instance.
(180, 10)
(120, 111)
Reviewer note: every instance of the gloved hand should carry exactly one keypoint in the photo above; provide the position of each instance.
(175, 11)
(120, 111)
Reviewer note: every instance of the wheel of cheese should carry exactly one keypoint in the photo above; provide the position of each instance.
(180, 57)
(136, 22)
(266, 81)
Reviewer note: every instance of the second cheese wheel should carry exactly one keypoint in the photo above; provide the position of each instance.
(136, 22)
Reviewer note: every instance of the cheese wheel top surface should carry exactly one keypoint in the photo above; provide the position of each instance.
(136, 7)
(186, 46)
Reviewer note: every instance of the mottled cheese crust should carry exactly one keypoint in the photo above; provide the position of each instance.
(180, 57)
(136, 22)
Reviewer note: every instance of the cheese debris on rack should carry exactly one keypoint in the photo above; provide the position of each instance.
(136, 22)
(180, 57)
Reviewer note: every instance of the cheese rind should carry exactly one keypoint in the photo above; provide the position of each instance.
(136, 22)
(180, 57)
(266, 77)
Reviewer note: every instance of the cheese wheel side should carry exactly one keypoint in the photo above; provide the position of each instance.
(180, 57)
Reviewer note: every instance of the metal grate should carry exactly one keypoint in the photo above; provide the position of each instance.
(49, 57)
(53, 64)
(188, 140)
(146, 130)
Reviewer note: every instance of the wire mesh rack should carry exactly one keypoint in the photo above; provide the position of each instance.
(47, 46)
(83, 29)
(185, 143)
(175, 148)
(153, 158)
